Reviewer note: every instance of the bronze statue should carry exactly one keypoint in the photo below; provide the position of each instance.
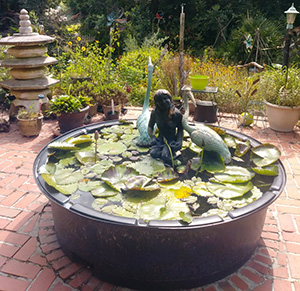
(169, 122)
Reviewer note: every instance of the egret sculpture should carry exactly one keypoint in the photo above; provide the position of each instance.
(202, 135)
(143, 119)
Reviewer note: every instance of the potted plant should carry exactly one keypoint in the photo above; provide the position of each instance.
(70, 110)
(115, 95)
(29, 121)
(280, 88)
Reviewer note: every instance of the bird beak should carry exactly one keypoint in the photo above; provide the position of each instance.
(191, 96)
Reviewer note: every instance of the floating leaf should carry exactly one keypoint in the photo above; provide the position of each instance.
(233, 174)
(186, 217)
(63, 180)
(267, 170)
(196, 149)
(227, 190)
(242, 147)
(265, 155)
(116, 176)
(212, 162)
(61, 145)
(201, 190)
(152, 209)
(230, 141)
(87, 186)
(112, 148)
(166, 176)
(86, 157)
(148, 166)
(80, 139)
(103, 190)
(140, 183)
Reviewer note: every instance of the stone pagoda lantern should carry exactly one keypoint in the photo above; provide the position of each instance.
(27, 63)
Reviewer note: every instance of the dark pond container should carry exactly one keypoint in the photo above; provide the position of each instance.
(157, 255)
(206, 111)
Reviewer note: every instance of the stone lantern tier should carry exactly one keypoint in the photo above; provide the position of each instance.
(28, 65)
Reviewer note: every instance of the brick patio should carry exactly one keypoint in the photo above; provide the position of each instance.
(31, 258)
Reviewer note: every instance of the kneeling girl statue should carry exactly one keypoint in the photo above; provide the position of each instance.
(169, 122)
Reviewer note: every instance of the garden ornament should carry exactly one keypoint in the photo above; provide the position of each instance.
(169, 122)
(143, 119)
(202, 135)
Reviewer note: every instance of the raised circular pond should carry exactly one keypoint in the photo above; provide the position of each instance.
(158, 254)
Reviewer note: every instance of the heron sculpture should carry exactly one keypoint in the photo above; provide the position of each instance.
(202, 135)
(143, 119)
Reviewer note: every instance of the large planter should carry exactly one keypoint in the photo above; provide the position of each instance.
(30, 127)
(158, 254)
(282, 118)
(71, 120)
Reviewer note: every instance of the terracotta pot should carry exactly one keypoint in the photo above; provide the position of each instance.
(282, 118)
(107, 108)
(93, 110)
(68, 121)
(30, 127)
(111, 116)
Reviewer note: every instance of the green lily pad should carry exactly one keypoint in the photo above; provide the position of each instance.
(86, 157)
(265, 155)
(116, 176)
(271, 170)
(103, 190)
(242, 147)
(166, 176)
(148, 166)
(111, 148)
(140, 183)
(200, 189)
(228, 190)
(61, 145)
(212, 162)
(233, 174)
(63, 180)
(80, 139)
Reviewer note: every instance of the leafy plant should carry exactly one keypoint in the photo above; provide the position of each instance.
(25, 113)
(68, 103)
(280, 86)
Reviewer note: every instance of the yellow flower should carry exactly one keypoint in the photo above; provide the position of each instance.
(83, 48)
(78, 38)
(69, 43)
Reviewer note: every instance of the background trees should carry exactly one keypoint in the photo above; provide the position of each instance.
(218, 27)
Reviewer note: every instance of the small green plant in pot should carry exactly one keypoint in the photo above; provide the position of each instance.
(280, 88)
(29, 121)
(70, 111)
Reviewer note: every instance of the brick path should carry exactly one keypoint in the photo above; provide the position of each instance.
(31, 258)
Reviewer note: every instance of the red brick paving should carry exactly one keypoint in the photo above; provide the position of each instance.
(31, 258)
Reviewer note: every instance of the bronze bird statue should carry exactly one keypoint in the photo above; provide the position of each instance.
(143, 119)
(202, 135)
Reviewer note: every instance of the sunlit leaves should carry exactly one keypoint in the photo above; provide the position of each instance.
(233, 174)
(265, 155)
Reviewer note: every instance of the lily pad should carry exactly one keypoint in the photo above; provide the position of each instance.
(271, 170)
(233, 174)
(148, 166)
(140, 183)
(80, 139)
(61, 145)
(166, 176)
(265, 155)
(116, 176)
(228, 190)
(111, 148)
(64, 180)
(242, 147)
(86, 157)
